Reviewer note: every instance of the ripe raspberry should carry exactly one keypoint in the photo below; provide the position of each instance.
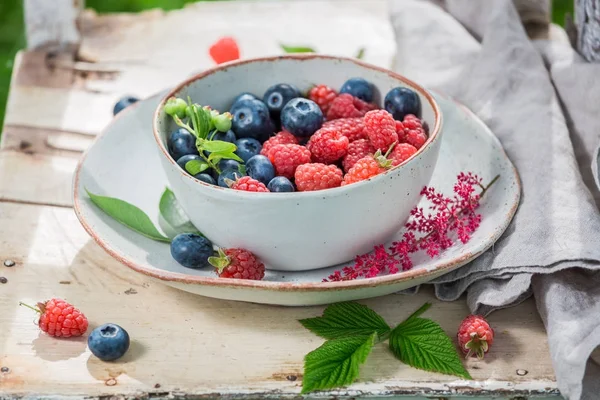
(323, 95)
(287, 157)
(348, 106)
(327, 145)
(248, 184)
(381, 129)
(414, 133)
(317, 176)
(356, 150)
(282, 137)
(352, 128)
(401, 153)
(475, 336)
(367, 167)
(238, 264)
(224, 49)
(60, 319)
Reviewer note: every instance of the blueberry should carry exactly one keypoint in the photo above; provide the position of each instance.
(301, 117)
(240, 98)
(230, 174)
(185, 159)
(247, 147)
(228, 136)
(358, 87)
(260, 168)
(191, 250)
(123, 103)
(108, 342)
(277, 96)
(204, 177)
(280, 184)
(181, 143)
(402, 101)
(228, 164)
(251, 120)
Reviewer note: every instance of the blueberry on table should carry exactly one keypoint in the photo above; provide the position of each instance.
(228, 174)
(251, 119)
(301, 117)
(277, 96)
(280, 184)
(204, 177)
(181, 143)
(247, 148)
(240, 98)
(182, 161)
(358, 87)
(191, 250)
(402, 101)
(123, 103)
(108, 342)
(260, 168)
(228, 136)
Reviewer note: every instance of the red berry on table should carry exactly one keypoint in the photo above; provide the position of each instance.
(248, 184)
(323, 95)
(357, 150)
(224, 49)
(327, 145)
(352, 128)
(401, 152)
(381, 129)
(317, 176)
(60, 319)
(282, 137)
(414, 133)
(238, 264)
(287, 157)
(475, 336)
(348, 106)
(367, 167)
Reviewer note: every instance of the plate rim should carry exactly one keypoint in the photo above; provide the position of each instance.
(356, 284)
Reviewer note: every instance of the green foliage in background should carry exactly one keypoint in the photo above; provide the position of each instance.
(12, 37)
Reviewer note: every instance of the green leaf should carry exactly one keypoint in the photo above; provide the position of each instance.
(129, 215)
(423, 344)
(360, 54)
(196, 166)
(218, 146)
(297, 49)
(346, 319)
(336, 363)
(172, 219)
(203, 116)
(215, 158)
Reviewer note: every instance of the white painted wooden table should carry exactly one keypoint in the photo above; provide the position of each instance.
(183, 345)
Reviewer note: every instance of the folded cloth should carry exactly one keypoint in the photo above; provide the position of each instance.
(554, 238)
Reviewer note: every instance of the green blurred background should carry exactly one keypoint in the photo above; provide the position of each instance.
(12, 36)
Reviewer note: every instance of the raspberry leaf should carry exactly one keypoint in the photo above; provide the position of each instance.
(172, 219)
(423, 344)
(128, 215)
(336, 363)
(297, 49)
(347, 319)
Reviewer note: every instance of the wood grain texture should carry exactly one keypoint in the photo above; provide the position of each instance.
(194, 345)
(587, 21)
(52, 22)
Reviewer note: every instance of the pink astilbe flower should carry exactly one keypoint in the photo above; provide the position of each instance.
(456, 214)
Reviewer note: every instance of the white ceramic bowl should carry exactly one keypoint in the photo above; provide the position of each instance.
(302, 230)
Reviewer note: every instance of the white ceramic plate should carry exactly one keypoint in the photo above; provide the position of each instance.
(123, 163)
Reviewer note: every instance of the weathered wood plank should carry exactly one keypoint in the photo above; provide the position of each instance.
(587, 21)
(52, 23)
(44, 141)
(193, 345)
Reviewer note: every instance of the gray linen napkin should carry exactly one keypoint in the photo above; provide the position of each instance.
(504, 80)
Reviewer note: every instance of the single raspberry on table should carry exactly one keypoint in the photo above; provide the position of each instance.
(282, 137)
(60, 319)
(247, 184)
(323, 95)
(317, 176)
(348, 106)
(381, 129)
(238, 264)
(287, 157)
(356, 150)
(327, 145)
(413, 131)
(401, 152)
(224, 49)
(367, 167)
(352, 128)
(475, 336)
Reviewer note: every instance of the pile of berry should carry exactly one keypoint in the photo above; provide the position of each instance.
(288, 142)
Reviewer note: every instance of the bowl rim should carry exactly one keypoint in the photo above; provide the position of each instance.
(434, 132)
